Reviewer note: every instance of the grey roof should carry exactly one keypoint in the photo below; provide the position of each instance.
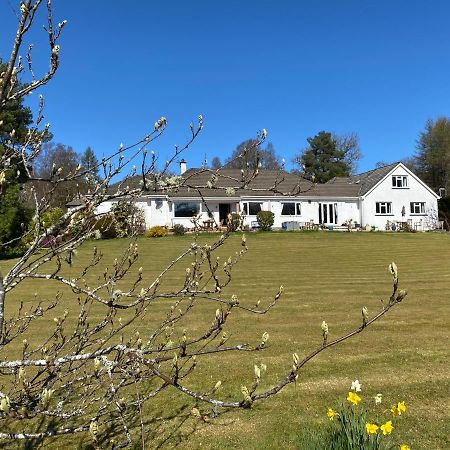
(268, 183)
(353, 186)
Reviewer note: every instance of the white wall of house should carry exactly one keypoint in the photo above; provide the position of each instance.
(162, 211)
(400, 199)
(308, 208)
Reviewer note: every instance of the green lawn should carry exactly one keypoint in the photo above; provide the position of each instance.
(327, 276)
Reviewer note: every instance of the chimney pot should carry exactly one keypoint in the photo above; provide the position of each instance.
(182, 166)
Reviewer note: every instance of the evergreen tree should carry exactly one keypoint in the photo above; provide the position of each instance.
(324, 158)
(15, 120)
(90, 162)
(433, 154)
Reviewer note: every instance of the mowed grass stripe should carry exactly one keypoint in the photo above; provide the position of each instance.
(327, 276)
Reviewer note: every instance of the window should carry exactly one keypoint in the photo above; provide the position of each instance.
(417, 207)
(291, 209)
(384, 208)
(186, 209)
(251, 208)
(400, 181)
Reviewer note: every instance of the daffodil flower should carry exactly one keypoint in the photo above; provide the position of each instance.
(387, 427)
(401, 408)
(405, 447)
(378, 398)
(353, 398)
(331, 413)
(356, 386)
(371, 428)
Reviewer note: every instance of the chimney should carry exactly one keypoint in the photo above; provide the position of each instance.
(182, 166)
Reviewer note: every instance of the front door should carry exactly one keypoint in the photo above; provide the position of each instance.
(328, 214)
(224, 210)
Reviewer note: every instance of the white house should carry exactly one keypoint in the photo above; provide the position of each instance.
(390, 196)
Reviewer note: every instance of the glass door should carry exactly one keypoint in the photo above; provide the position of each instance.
(328, 213)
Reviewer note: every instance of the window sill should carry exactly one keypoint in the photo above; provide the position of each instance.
(418, 214)
(396, 187)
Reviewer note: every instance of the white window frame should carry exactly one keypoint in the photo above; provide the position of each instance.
(297, 209)
(383, 208)
(400, 181)
(417, 208)
(246, 205)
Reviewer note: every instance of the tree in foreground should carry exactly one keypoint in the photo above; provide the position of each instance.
(92, 374)
(328, 156)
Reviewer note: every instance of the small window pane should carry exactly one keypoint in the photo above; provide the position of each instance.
(383, 207)
(245, 208)
(298, 209)
(400, 181)
(254, 208)
(417, 207)
(186, 209)
(288, 209)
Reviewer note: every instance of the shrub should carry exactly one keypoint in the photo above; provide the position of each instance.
(265, 220)
(179, 230)
(51, 216)
(233, 221)
(156, 231)
(129, 219)
(107, 227)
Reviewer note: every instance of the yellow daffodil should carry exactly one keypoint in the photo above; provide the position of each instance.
(394, 410)
(405, 447)
(401, 408)
(353, 398)
(387, 427)
(371, 428)
(331, 413)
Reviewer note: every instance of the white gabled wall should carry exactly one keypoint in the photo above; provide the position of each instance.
(399, 197)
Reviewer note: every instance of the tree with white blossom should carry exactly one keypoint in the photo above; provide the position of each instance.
(97, 373)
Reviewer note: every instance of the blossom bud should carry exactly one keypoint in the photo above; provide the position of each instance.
(5, 405)
(295, 358)
(393, 270)
(324, 327)
(365, 314)
(257, 372)
(97, 364)
(46, 395)
(93, 428)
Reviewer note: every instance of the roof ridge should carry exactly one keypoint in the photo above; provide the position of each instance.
(376, 169)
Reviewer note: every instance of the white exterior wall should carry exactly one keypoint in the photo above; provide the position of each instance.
(400, 197)
(157, 212)
(309, 208)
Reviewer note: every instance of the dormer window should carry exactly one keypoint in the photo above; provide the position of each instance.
(399, 181)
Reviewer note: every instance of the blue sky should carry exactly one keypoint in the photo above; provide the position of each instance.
(377, 68)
